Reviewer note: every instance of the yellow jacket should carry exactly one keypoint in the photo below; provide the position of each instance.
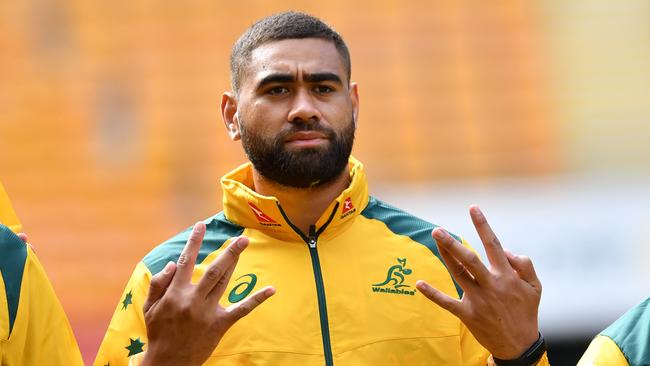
(34, 330)
(625, 342)
(345, 291)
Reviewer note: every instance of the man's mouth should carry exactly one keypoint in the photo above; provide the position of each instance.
(306, 139)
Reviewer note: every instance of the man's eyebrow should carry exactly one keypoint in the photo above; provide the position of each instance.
(275, 78)
(322, 76)
(289, 78)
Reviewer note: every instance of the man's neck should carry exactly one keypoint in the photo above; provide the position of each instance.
(303, 206)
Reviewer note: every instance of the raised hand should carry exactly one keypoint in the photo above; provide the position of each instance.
(184, 321)
(499, 305)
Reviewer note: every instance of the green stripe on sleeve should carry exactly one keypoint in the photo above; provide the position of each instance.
(218, 231)
(402, 223)
(12, 266)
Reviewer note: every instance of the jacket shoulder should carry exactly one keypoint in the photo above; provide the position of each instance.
(630, 333)
(400, 222)
(218, 231)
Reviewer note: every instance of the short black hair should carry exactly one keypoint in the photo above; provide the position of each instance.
(277, 27)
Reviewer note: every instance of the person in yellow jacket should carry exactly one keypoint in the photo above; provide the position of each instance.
(334, 276)
(625, 342)
(34, 329)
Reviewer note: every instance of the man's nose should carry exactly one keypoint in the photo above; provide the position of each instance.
(304, 108)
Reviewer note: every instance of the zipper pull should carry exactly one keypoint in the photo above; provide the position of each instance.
(312, 236)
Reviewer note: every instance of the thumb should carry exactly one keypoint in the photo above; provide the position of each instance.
(158, 285)
(523, 265)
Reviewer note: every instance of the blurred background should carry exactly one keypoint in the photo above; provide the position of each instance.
(111, 138)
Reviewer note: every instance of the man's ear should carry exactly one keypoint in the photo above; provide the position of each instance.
(354, 98)
(230, 115)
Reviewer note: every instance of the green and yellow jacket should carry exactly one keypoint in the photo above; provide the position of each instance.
(625, 342)
(34, 329)
(345, 291)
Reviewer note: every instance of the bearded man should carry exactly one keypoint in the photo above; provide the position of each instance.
(344, 264)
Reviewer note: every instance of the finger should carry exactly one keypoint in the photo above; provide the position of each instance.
(443, 300)
(187, 259)
(464, 259)
(159, 284)
(244, 307)
(25, 240)
(523, 265)
(23, 237)
(457, 270)
(491, 242)
(218, 273)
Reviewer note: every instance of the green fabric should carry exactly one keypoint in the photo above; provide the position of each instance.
(402, 223)
(12, 264)
(631, 333)
(218, 231)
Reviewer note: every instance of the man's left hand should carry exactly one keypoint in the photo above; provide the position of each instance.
(499, 305)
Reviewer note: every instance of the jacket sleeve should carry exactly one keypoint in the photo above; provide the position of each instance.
(41, 334)
(127, 334)
(603, 351)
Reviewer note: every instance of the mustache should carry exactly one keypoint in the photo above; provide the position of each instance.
(304, 127)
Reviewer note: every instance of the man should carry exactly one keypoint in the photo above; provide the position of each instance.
(33, 327)
(344, 264)
(625, 342)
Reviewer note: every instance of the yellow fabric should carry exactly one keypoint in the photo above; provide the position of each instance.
(41, 334)
(542, 361)
(356, 253)
(7, 215)
(603, 352)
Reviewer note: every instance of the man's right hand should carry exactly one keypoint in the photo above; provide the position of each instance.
(185, 322)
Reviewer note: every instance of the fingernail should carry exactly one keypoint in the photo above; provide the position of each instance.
(168, 267)
(238, 242)
(440, 233)
(477, 211)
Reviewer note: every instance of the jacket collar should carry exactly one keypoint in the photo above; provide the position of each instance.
(247, 208)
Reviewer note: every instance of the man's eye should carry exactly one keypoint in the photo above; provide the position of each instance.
(323, 89)
(278, 90)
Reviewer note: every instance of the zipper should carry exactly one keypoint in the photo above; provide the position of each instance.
(311, 242)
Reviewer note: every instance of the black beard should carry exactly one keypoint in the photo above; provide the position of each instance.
(304, 168)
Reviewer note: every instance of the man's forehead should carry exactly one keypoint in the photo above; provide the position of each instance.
(290, 56)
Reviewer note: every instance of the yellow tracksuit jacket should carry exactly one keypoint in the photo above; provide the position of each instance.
(625, 342)
(345, 291)
(34, 329)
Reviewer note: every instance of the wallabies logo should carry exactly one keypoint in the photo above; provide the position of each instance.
(394, 282)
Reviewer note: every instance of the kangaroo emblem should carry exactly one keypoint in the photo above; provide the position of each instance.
(395, 275)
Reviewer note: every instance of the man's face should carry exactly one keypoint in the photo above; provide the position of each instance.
(296, 112)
